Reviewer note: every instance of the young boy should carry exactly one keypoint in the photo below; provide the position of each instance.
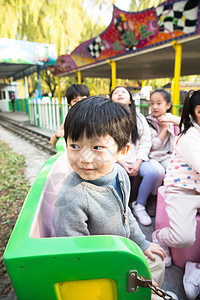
(74, 93)
(94, 197)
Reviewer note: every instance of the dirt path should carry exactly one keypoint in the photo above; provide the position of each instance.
(34, 157)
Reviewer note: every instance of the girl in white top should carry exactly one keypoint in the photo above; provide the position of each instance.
(182, 180)
(164, 128)
(136, 161)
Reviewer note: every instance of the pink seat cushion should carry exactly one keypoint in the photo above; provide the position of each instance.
(42, 224)
(179, 255)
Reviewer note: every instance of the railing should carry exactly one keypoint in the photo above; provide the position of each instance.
(21, 105)
(145, 110)
(47, 113)
(178, 109)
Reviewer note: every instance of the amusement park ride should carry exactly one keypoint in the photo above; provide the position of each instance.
(42, 266)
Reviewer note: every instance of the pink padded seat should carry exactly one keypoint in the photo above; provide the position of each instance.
(42, 224)
(179, 255)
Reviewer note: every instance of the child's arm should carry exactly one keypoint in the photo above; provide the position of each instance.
(137, 236)
(59, 133)
(124, 165)
(69, 217)
(169, 118)
(134, 168)
(163, 131)
(189, 148)
(144, 142)
(156, 141)
(131, 169)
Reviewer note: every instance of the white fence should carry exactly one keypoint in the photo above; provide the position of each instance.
(47, 113)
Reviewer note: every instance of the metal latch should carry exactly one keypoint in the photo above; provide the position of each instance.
(134, 282)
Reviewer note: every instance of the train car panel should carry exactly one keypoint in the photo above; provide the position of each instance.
(42, 266)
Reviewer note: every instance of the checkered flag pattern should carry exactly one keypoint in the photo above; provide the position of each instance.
(180, 15)
(96, 47)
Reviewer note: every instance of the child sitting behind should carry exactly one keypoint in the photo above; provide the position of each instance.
(94, 197)
(136, 161)
(164, 128)
(182, 181)
(74, 93)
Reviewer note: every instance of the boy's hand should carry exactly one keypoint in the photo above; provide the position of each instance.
(59, 133)
(155, 248)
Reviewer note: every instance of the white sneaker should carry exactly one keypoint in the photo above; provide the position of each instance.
(168, 259)
(140, 212)
(191, 280)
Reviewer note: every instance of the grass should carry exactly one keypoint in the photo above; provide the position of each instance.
(13, 190)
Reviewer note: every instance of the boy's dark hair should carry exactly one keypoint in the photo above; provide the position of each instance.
(191, 100)
(166, 95)
(98, 116)
(76, 90)
(134, 132)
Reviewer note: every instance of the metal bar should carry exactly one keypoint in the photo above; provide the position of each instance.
(177, 73)
(113, 73)
(38, 79)
(59, 97)
(79, 76)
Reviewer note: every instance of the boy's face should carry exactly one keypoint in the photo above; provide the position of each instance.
(75, 100)
(92, 158)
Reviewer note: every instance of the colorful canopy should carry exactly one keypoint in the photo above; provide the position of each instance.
(140, 43)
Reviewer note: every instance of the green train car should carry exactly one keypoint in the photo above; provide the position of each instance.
(42, 266)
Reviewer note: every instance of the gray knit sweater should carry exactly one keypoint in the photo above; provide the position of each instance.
(95, 208)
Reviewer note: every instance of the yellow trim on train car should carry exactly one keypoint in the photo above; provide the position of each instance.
(95, 289)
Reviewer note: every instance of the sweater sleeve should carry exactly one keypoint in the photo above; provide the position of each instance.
(156, 142)
(69, 217)
(136, 234)
(144, 143)
(188, 146)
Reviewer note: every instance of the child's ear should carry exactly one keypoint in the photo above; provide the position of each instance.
(169, 105)
(197, 113)
(197, 110)
(123, 152)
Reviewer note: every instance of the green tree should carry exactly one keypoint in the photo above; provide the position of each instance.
(63, 23)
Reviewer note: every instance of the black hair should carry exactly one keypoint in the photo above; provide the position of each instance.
(166, 95)
(98, 116)
(191, 101)
(76, 90)
(134, 132)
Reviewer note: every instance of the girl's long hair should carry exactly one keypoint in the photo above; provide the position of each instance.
(134, 133)
(192, 99)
